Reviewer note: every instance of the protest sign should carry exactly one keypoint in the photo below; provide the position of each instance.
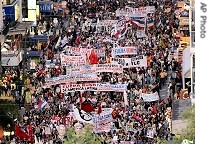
(103, 121)
(150, 97)
(135, 12)
(78, 87)
(93, 87)
(106, 22)
(124, 51)
(72, 60)
(139, 61)
(112, 87)
(85, 51)
(71, 78)
(115, 68)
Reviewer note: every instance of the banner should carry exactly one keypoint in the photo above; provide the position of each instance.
(112, 87)
(115, 68)
(67, 120)
(84, 51)
(71, 78)
(103, 121)
(150, 97)
(106, 23)
(72, 60)
(135, 12)
(82, 116)
(90, 118)
(93, 87)
(78, 87)
(83, 69)
(124, 51)
(139, 61)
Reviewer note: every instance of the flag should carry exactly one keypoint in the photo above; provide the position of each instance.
(84, 104)
(150, 23)
(124, 30)
(114, 114)
(154, 109)
(138, 23)
(118, 31)
(125, 96)
(136, 117)
(30, 130)
(40, 72)
(93, 57)
(99, 109)
(42, 104)
(20, 133)
(87, 106)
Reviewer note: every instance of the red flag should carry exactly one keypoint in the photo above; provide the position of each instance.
(99, 109)
(154, 109)
(31, 133)
(136, 117)
(20, 133)
(114, 114)
(40, 72)
(93, 57)
(87, 106)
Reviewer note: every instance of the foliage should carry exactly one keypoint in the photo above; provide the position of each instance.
(87, 137)
(7, 112)
(189, 132)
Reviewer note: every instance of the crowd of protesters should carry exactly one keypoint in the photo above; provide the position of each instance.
(137, 122)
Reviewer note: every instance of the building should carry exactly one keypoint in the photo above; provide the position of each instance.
(192, 47)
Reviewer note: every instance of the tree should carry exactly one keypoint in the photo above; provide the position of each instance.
(87, 137)
(8, 111)
(189, 132)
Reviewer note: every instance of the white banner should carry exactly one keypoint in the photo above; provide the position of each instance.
(106, 22)
(135, 12)
(72, 60)
(71, 78)
(139, 61)
(103, 121)
(150, 97)
(115, 68)
(93, 87)
(124, 51)
(84, 51)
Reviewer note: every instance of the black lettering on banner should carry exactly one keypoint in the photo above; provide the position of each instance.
(203, 21)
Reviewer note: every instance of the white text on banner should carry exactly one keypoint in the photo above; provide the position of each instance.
(124, 51)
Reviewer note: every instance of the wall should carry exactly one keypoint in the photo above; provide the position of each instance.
(186, 64)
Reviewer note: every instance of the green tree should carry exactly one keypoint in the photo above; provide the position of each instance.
(8, 111)
(87, 137)
(189, 132)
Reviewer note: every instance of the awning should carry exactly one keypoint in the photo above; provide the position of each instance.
(34, 53)
(10, 61)
(40, 37)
